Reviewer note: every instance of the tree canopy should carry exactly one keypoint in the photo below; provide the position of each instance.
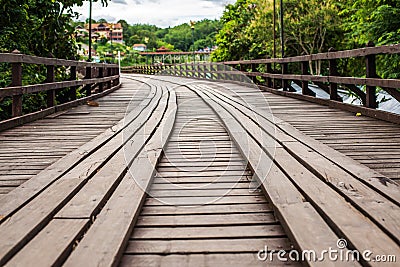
(310, 26)
(39, 27)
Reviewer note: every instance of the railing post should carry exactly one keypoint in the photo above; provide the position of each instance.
(224, 74)
(16, 70)
(72, 77)
(101, 75)
(88, 75)
(201, 70)
(254, 69)
(304, 71)
(371, 73)
(269, 71)
(333, 72)
(285, 85)
(109, 74)
(51, 94)
(243, 72)
(117, 81)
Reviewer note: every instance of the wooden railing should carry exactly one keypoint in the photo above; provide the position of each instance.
(209, 71)
(272, 81)
(329, 82)
(99, 79)
(146, 69)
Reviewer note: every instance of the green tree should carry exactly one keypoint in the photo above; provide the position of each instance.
(125, 28)
(247, 33)
(39, 27)
(232, 40)
(376, 21)
(311, 26)
(102, 20)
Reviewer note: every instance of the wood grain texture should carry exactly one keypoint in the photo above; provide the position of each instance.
(198, 204)
(74, 128)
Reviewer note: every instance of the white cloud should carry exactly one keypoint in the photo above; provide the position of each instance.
(162, 13)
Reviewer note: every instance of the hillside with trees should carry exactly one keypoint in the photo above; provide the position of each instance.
(178, 38)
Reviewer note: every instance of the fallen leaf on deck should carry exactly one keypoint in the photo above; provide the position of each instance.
(93, 103)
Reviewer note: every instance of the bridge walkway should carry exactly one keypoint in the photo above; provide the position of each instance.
(252, 181)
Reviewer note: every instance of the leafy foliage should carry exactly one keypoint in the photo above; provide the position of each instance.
(311, 26)
(41, 28)
(178, 38)
(233, 41)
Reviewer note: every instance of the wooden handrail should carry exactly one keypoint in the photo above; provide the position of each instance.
(225, 71)
(360, 52)
(371, 80)
(28, 59)
(29, 89)
(107, 78)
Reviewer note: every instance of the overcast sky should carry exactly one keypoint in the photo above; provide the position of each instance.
(162, 13)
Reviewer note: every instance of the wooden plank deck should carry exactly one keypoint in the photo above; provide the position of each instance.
(198, 216)
(372, 142)
(27, 150)
(225, 179)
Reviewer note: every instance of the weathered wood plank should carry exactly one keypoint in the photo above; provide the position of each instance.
(231, 246)
(52, 245)
(281, 192)
(195, 260)
(207, 209)
(282, 158)
(101, 185)
(210, 219)
(17, 230)
(103, 245)
(20, 196)
(209, 232)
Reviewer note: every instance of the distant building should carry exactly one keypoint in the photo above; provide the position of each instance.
(81, 32)
(139, 47)
(162, 49)
(111, 31)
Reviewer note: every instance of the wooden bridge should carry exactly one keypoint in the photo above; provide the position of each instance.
(197, 166)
